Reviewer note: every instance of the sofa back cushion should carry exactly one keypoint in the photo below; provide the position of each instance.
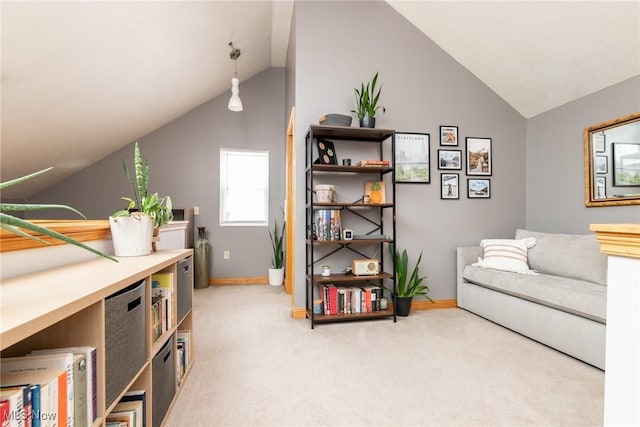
(570, 255)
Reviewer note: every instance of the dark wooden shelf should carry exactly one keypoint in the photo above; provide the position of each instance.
(351, 133)
(349, 242)
(342, 278)
(323, 205)
(356, 316)
(349, 169)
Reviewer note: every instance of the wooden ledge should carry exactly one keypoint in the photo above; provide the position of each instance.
(81, 230)
(618, 239)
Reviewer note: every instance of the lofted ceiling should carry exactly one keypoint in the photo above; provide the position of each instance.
(81, 80)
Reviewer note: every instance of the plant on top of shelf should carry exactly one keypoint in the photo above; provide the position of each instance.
(14, 225)
(141, 205)
(367, 102)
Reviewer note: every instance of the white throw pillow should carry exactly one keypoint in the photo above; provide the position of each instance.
(506, 255)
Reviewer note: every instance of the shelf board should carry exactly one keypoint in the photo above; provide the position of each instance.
(341, 278)
(350, 169)
(320, 318)
(324, 205)
(351, 133)
(350, 242)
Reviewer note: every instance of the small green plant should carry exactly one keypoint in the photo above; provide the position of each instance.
(15, 225)
(277, 244)
(409, 285)
(367, 99)
(159, 209)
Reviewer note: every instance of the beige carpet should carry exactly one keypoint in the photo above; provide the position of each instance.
(257, 366)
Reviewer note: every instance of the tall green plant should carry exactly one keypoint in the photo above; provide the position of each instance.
(367, 99)
(409, 285)
(15, 225)
(277, 244)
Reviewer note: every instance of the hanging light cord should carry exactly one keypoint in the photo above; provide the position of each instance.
(235, 54)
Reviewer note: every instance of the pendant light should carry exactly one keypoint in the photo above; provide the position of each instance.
(235, 103)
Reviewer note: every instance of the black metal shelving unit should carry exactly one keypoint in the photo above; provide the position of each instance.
(341, 136)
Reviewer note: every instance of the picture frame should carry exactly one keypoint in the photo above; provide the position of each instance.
(411, 158)
(326, 153)
(449, 135)
(449, 186)
(600, 164)
(626, 164)
(478, 188)
(450, 159)
(600, 187)
(478, 156)
(599, 142)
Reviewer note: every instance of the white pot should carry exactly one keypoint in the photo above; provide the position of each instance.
(131, 234)
(276, 276)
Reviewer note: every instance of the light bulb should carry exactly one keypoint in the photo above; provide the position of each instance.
(235, 103)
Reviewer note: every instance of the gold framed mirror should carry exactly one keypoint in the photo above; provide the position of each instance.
(612, 162)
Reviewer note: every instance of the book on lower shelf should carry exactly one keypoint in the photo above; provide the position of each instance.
(184, 353)
(130, 412)
(162, 285)
(350, 299)
(378, 163)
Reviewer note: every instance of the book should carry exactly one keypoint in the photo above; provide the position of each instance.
(44, 363)
(376, 192)
(127, 417)
(13, 395)
(91, 375)
(382, 163)
(30, 402)
(44, 402)
(5, 409)
(162, 284)
(125, 407)
(328, 224)
(137, 396)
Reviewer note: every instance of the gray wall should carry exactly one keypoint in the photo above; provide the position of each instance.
(339, 45)
(555, 167)
(184, 159)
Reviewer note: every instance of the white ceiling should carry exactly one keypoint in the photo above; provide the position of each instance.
(80, 80)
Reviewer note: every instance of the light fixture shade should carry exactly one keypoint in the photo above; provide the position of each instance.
(235, 103)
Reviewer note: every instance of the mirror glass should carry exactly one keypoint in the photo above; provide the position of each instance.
(612, 162)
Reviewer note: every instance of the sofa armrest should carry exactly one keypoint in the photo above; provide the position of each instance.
(465, 255)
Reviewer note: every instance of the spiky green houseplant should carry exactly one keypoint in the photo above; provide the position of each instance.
(367, 99)
(409, 284)
(277, 244)
(16, 225)
(159, 209)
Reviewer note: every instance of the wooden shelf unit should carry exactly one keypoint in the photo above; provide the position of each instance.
(65, 307)
(351, 138)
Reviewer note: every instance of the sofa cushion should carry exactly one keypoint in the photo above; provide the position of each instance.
(506, 254)
(573, 296)
(569, 255)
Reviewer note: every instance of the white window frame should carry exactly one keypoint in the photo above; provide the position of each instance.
(263, 187)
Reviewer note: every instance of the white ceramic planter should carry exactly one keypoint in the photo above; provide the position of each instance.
(276, 276)
(131, 234)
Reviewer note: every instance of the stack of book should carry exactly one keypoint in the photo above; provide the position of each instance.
(184, 353)
(378, 163)
(50, 387)
(350, 299)
(129, 412)
(161, 303)
(328, 224)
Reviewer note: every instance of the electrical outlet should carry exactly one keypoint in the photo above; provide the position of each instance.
(226, 255)
(196, 210)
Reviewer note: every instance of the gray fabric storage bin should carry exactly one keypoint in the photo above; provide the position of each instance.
(125, 338)
(185, 286)
(163, 380)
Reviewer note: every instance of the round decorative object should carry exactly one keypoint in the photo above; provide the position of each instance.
(326, 271)
(131, 234)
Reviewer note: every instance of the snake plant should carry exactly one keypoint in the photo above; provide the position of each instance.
(367, 99)
(16, 225)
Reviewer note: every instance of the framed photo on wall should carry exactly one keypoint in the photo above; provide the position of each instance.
(412, 158)
(449, 186)
(448, 135)
(626, 164)
(601, 187)
(479, 160)
(478, 188)
(600, 164)
(450, 159)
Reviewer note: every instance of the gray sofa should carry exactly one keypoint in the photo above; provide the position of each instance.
(561, 303)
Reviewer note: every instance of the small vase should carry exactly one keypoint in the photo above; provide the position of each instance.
(367, 122)
(201, 255)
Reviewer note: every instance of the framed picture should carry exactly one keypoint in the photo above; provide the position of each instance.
(326, 153)
(448, 135)
(626, 164)
(601, 187)
(450, 159)
(478, 188)
(599, 140)
(479, 160)
(600, 164)
(412, 158)
(449, 186)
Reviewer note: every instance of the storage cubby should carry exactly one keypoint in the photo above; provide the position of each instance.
(105, 305)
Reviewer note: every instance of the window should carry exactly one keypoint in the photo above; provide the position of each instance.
(244, 187)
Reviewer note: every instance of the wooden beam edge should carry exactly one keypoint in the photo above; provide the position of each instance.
(81, 230)
(618, 239)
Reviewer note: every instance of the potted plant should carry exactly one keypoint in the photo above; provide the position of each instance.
(276, 272)
(367, 103)
(133, 228)
(16, 225)
(408, 286)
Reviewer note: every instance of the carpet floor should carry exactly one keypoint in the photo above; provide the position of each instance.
(256, 366)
